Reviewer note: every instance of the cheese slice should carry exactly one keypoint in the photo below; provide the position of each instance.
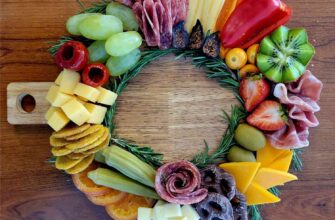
(106, 97)
(257, 195)
(244, 173)
(189, 212)
(56, 97)
(59, 78)
(144, 213)
(269, 154)
(283, 162)
(58, 120)
(97, 113)
(76, 111)
(268, 178)
(69, 81)
(87, 92)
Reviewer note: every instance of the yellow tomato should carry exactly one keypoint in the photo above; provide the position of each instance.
(248, 69)
(236, 58)
(252, 52)
(223, 52)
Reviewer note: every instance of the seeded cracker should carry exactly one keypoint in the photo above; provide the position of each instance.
(81, 166)
(95, 144)
(98, 148)
(77, 156)
(60, 151)
(91, 130)
(86, 141)
(64, 162)
(58, 142)
(69, 131)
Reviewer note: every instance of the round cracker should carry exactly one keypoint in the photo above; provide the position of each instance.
(76, 156)
(95, 144)
(81, 166)
(91, 130)
(86, 141)
(64, 162)
(58, 142)
(60, 151)
(98, 148)
(71, 130)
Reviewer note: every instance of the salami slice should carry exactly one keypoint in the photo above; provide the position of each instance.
(163, 8)
(179, 182)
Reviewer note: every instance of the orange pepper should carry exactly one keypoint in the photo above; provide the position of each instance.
(228, 8)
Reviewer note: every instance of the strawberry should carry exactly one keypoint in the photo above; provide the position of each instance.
(268, 116)
(253, 91)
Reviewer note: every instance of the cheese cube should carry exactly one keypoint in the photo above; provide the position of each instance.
(50, 111)
(56, 97)
(155, 215)
(87, 92)
(97, 113)
(59, 78)
(76, 111)
(189, 212)
(106, 97)
(163, 212)
(58, 120)
(178, 218)
(69, 81)
(144, 213)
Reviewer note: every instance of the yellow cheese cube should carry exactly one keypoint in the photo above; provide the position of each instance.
(69, 81)
(97, 113)
(87, 92)
(59, 78)
(50, 111)
(76, 112)
(106, 97)
(58, 120)
(56, 97)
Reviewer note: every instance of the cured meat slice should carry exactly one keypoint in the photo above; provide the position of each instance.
(150, 23)
(138, 11)
(166, 25)
(179, 182)
(128, 3)
(179, 10)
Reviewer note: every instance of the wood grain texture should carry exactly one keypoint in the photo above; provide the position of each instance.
(170, 106)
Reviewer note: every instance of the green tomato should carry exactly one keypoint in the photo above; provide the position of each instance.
(97, 52)
(123, 43)
(120, 65)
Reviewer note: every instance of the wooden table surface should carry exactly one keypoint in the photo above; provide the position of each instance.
(170, 106)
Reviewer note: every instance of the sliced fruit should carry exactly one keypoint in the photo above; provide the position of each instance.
(226, 10)
(113, 196)
(243, 172)
(86, 185)
(223, 52)
(248, 69)
(268, 178)
(252, 53)
(236, 58)
(127, 208)
(267, 155)
(249, 137)
(284, 54)
(268, 116)
(257, 195)
(253, 91)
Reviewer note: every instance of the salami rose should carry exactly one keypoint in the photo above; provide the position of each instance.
(179, 182)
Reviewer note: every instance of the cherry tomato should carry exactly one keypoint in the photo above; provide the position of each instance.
(72, 55)
(236, 58)
(95, 75)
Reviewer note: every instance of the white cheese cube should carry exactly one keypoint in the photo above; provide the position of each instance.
(106, 97)
(168, 210)
(76, 111)
(97, 113)
(144, 213)
(160, 202)
(56, 97)
(59, 78)
(58, 120)
(190, 212)
(178, 218)
(69, 81)
(87, 92)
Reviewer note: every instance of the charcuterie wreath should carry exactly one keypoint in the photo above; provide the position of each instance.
(244, 46)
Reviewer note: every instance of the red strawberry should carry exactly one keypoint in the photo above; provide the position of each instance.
(268, 116)
(253, 91)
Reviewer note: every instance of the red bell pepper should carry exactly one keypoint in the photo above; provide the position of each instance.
(252, 20)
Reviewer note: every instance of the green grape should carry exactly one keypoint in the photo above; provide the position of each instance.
(122, 43)
(97, 52)
(72, 24)
(120, 65)
(100, 27)
(125, 14)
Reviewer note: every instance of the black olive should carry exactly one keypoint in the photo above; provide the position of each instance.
(196, 37)
(180, 37)
(211, 46)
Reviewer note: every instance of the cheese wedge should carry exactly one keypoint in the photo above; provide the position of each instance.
(269, 154)
(76, 112)
(97, 113)
(268, 178)
(56, 97)
(257, 195)
(58, 120)
(243, 172)
(283, 162)
(106, 97)
(69, 81)
(86, 92)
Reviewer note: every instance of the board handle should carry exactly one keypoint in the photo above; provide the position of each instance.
(26, 103)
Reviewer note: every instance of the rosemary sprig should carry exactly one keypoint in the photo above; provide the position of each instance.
(51, 160)
(95, 8)
(296, 160)
(57, 44)
(275, 191)
(203, 159)
(254, 212)
(145, 153)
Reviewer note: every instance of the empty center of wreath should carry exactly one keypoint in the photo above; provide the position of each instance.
(173, 107)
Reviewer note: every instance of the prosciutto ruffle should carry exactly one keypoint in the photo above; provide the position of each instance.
(179, 182)
(128, 3)
(300, 98)
(156, 19)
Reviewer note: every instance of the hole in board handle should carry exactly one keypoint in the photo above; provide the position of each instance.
(26, 103)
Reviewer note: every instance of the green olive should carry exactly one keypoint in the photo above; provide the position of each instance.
(238, 154)
(249, 137)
